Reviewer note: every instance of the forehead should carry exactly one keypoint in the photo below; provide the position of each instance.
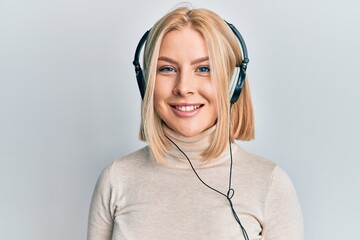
(183, 43)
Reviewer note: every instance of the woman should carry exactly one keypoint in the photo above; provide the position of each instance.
(192, 181)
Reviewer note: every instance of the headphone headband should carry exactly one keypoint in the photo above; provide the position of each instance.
(237, 80)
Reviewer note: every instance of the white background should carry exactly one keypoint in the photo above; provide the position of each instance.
(69, 104)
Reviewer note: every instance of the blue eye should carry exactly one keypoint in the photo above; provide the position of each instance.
(204, 69)
(166, 69)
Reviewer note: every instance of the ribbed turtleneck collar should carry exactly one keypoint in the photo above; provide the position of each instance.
(193, 147)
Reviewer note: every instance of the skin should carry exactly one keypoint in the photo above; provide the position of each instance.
(184, 95)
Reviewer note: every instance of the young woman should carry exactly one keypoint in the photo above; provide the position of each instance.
(192, 181)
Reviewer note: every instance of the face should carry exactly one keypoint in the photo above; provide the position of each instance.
(184, 95)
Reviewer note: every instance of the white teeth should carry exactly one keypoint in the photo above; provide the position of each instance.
(187, 108)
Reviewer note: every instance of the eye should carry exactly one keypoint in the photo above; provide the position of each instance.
(166, 69)
(203, 69)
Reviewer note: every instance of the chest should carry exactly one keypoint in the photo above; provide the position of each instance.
(176, 205)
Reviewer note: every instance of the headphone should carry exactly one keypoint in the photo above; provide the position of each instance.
(237, 79)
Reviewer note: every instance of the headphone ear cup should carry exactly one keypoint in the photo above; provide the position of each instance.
(233, 93)
(144, 73)
(239, 81)
(141, 81)
(140, 76)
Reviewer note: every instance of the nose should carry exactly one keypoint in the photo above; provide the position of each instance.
(185, 84)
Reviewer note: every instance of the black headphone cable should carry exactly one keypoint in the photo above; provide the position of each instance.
(230, 193)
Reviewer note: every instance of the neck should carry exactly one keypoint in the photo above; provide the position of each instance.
(193, 147)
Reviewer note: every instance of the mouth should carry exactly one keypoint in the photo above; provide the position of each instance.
(187, 108)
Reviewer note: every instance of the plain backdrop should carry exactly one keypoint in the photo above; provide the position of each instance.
(69, 104)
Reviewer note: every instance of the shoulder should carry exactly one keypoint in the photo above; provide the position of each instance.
(135, 159)
(126, 166)
(263, 167)
(262, 174)
(253, 163)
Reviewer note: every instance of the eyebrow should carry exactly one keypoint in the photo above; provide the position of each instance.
(198, 60)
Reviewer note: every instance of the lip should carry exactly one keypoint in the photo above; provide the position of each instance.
(192, 109)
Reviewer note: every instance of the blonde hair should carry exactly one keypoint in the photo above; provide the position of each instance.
(224, 54)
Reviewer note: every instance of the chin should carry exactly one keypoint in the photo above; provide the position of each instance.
(190, 132)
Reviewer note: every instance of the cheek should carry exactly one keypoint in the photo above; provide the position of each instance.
(157, 103)
(161, 88)
(160, 96)
(211, 96)
(209, 91)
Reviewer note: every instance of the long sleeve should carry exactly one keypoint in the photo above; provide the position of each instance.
(282, 210)
(136, 198)
(100, 223)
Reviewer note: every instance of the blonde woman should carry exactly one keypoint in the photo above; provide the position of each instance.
(192, 181)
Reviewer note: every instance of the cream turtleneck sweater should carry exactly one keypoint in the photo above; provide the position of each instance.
(136, 198)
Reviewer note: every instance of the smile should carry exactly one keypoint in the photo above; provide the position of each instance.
(187, 108)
